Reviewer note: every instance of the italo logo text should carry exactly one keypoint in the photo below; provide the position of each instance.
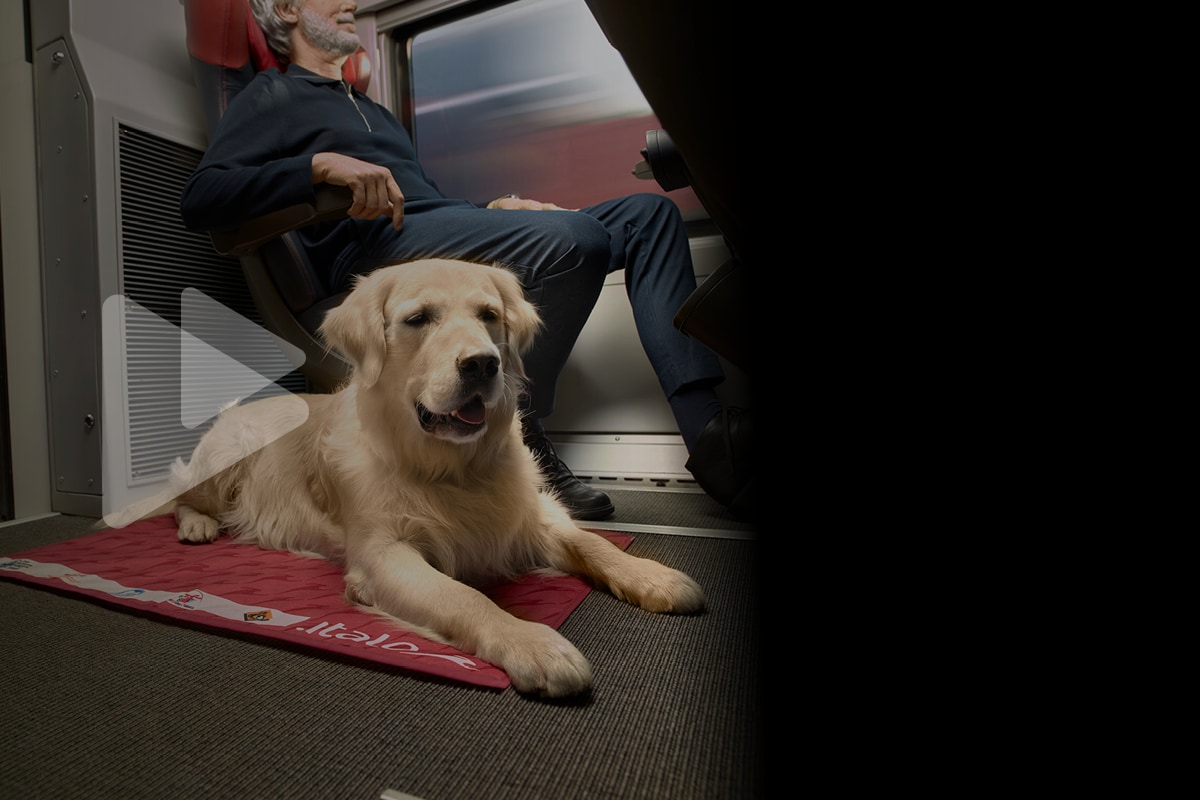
(383, 641)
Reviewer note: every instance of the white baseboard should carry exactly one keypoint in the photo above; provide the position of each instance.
(629, 458)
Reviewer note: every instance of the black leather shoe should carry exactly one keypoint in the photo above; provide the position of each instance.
(722, 460)
(581, 500)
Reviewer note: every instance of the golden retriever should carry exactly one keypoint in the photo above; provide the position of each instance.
(414, 476)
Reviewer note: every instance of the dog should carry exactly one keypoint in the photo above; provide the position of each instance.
(413, 476)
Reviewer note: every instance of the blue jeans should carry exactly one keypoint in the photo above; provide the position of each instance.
(562, 258)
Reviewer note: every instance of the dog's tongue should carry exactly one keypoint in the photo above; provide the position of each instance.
(472, 413)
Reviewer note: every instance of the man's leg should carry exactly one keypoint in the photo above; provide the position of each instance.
(649, 241)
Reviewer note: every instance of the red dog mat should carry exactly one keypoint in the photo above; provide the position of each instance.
(279, 595)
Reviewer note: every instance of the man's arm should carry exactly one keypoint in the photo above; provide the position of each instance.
(257, 161)
(222, 194)
(222, 197)
(375, 191)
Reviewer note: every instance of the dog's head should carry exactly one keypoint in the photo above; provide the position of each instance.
(445, 338)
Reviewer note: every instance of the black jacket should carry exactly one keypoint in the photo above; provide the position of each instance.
(260, 159)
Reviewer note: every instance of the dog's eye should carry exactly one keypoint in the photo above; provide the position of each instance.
(417, 320)
(488, 314)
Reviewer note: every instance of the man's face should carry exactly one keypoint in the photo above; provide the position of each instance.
(328, 25)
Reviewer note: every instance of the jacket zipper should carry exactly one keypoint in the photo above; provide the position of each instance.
(356, 108)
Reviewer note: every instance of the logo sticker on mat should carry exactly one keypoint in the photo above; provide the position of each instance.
(187, 599)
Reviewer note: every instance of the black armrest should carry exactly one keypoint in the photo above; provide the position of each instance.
(662, 161)
(332, 202)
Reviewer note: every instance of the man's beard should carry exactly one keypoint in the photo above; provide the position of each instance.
(326, 36)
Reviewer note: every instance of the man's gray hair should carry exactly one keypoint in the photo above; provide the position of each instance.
(277, 31)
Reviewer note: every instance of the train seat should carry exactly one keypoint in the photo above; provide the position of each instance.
(227, 48)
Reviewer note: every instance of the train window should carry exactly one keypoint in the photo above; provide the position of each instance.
(530, 98)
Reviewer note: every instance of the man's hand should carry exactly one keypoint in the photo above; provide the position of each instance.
(375, 191)
(511, 202)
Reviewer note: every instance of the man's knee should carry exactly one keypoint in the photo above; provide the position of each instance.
(649, 213)
(653, 207)
(561, 245)
(579, 241)
(585, 234)
(653, 203)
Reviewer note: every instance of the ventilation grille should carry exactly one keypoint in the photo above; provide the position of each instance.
(160, 258)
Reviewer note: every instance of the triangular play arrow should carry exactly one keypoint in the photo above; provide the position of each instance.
(215, 345)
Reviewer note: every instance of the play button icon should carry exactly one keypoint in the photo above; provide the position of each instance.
(215, 346)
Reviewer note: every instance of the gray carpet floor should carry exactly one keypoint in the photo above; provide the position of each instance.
(105, 703)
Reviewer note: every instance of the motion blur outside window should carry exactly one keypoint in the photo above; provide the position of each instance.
(531, 98)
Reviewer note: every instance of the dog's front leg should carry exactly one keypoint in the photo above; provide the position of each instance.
(396, 579)
(195, 526)
(641, 581)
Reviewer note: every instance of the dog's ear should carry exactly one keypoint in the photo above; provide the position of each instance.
(358, 328)
(521, 320)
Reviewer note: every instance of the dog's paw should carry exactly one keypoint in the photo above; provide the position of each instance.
(661, 589)
(195, 527)
(539, 660)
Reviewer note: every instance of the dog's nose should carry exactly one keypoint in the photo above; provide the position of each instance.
(478, 367)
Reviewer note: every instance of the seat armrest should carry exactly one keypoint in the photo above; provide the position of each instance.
(661, 160)
(332, 202)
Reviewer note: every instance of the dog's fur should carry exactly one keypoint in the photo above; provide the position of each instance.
(414, 476)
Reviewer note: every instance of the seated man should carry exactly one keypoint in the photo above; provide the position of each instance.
(286, 132)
